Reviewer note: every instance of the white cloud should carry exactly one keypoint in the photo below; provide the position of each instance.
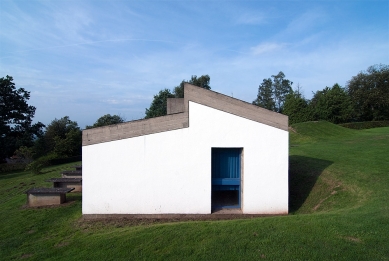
(266, 48)
(305, 22)
(114, 59)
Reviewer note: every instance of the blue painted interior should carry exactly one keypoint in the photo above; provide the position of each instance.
(226, 174)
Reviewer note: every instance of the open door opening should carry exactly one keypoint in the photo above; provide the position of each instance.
(226, 178)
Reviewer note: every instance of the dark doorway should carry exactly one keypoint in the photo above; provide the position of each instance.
(226, 178)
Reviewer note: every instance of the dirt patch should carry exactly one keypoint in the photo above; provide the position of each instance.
(292, 130)
(143, 220)
(62, 244)
(331, 194)
(26, 256)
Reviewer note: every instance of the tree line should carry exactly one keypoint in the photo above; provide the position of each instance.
(62, 138)
(365, 98)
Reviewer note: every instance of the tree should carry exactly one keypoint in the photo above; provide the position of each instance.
(332, 104)
(369, 93)
(16, 128)
(62, 137)
(203, 82)
(265, 95)
(297, 108)
(105, 120)
(282, 87)
(70, 145)
(158, 106)
(272, 92)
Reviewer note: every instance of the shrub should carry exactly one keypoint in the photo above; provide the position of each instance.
(6, 167)
(365, 125)
(37, 165)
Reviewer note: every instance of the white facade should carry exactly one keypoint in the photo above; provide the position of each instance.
(170, 172)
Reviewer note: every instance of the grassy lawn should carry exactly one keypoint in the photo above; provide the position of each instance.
(339, 204)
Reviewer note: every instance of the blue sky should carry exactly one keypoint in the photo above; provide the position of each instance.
(84, 59)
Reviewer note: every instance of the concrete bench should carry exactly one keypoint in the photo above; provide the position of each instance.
(75, 183)
(72, 174)
(46, 196)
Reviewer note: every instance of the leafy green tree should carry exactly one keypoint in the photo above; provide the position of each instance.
(16, 128)
(203, 81)
(62, 137)
(272, 92)
(70, 145)
(25, 154)
(265, 95)
(369, 93)
(332, 104)
(105, 120)
(282, 87)
(297, 108)
(158, 106)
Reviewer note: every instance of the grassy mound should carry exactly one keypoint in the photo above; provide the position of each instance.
(316, 131)
(339, 187)
(322, 167)
(365, 125)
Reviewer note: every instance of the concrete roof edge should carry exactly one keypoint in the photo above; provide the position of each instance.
(234, 106)
(175, 121)
(135, 128)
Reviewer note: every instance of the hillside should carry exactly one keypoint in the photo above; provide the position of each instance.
(339, 187)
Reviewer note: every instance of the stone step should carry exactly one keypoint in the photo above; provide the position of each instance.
(46, 196)
(72, 174)
(75, 183)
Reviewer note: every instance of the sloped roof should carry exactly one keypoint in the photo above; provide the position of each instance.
(181, 120)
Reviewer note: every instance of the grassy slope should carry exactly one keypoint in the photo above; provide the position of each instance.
(339, 191)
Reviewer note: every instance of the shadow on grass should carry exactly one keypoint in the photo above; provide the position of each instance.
(303, 174)
(50, 169)
(12, 174)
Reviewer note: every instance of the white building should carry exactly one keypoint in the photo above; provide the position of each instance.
(211, 151)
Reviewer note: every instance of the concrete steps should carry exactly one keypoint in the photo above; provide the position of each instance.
(71, 181)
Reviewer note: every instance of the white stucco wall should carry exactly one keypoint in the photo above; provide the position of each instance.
(170, 172)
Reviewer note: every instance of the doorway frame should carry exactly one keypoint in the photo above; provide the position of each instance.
(228, 181)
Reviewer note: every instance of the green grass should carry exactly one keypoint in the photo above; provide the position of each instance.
(339, 187)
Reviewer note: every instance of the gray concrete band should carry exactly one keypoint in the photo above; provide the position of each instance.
(178, 116)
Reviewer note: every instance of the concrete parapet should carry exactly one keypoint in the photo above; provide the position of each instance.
(175, 105)
(135, 128)
(178, 116)
(234, 106)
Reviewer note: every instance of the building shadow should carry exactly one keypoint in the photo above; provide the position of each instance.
(303, 174)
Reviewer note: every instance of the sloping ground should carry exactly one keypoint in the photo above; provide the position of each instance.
(313, 181)
(318, 131)
(339, 184)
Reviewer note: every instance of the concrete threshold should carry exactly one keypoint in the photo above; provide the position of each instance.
(226, 211)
